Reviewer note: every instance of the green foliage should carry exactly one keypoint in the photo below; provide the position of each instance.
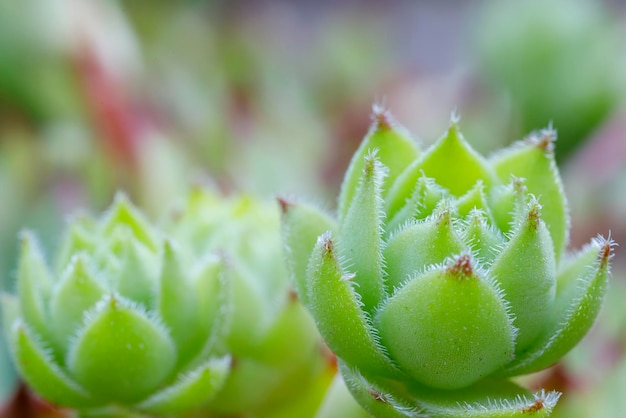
(115, 324)
(442, 279)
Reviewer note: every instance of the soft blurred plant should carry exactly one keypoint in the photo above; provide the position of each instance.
(123, 321)
(279, 363)
(565, 67)
(446, 273)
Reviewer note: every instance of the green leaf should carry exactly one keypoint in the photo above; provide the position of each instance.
(122, 214)
(581, 284)
(450, 161)
(121, 354)
(420, 245)
(137, 274)
(77, 292)
(190, 391)
(484, 240)
(42, 374)
(213, 288)
(421, 204)
(79, 237)
(533, 160)
(337, 311)
(250, 314)
(377, 401)
(526, 272)
(394, 146)
(301, 224)
(34, 284)
(360, 235)
(508, 204)
(447, 328)
(474, 199)
(176, 301)
(489, 398)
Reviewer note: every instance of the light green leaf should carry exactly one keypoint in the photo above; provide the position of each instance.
(526, 272)
(450, 161)
(176, 301)
(533, 160)
(420, 245)
(336, 308)
(581, 284)
(34, 284)
(190, 391)
(122, 214)
(77, 292)
(121, 354)
(360, 235)
(484, 240)
(447, 328)
(487, 399)
(41, 372)
(395, 148)
(301, 224)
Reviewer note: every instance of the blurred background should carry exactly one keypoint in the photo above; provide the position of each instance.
(273, 97)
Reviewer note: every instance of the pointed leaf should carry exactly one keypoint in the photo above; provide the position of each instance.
(526, 272)
(337, 311)
(41, 372)
(508, 204)
(190, 391)
(121, 354)
(474, 199)
(394, 147)
(447, 328)
(137, 274)
(483, 239)
(580, 288)
(419, 246)
(377, 401)
(77, 238)
(489, 398)
(360, 235)
(450, 161)
(176, 301)
(533, 160)
(423, 201)
(77, 292)
(122, 214)
(34, 283)
(301, 224)
(215, 304)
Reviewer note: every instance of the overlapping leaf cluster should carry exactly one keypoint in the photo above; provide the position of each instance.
(193, 314)
(278, 361)
(123, 321)
(445, 273)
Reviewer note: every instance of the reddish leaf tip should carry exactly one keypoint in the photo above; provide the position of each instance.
(537, 406)
(284, 204)
(382, 117)
(462, 267)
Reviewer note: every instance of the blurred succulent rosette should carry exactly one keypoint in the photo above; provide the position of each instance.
(279, 365)
(122, 322)
(445, 273)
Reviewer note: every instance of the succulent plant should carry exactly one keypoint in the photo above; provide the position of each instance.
(278, 360)
(445, 273)
(123, 323)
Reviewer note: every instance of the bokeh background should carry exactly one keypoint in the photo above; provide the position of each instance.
(272, 97)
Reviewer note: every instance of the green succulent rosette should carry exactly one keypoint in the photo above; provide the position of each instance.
(279, 365)
(123, 323)
(445, 273)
